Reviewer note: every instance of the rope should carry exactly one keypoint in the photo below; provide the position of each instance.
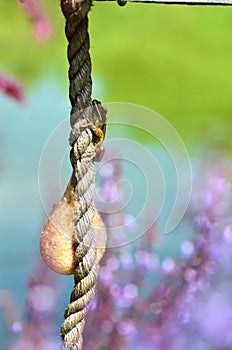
(76, 31)
(88, 129)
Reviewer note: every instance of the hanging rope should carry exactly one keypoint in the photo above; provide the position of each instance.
(88, 129)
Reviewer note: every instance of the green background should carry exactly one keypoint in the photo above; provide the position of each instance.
(173, 59)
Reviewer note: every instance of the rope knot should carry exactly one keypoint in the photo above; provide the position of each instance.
(89, 127)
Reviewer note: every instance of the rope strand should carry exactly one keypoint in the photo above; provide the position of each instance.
(76, 31)
(86, 122)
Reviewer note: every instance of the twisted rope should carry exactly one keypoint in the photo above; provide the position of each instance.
(86, 136)
(85, 276)
(76, 30)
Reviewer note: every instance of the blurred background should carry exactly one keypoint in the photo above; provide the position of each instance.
(175, 60)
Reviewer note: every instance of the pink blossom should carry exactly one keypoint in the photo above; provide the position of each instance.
(11, 87)
(42, 27)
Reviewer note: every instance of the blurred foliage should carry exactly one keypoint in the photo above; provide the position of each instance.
(175, 60)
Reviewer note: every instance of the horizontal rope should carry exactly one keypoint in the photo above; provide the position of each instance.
(180, 2)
